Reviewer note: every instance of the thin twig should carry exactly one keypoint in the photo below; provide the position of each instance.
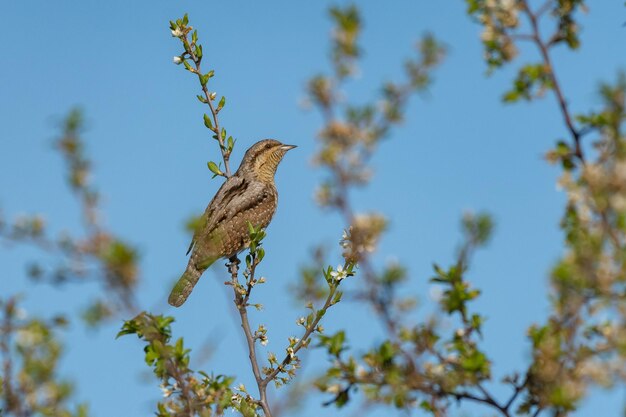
(241, 301)
(576, 134)
(184, 388)
(545, 55)
(487, 399)
(11, 399)
(518, 389)
(209, 101)
(305, 337)
(544, 8)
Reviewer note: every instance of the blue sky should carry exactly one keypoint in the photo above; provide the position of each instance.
(460, 149)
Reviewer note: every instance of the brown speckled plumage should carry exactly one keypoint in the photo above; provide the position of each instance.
(248, 196)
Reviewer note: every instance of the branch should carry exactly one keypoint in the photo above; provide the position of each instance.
(487, 399)
(545, 55)
(12, 402)
(304, 341)
(184, 387)
(576, 134)
(518, 389)
(193, 51)
(209, 100)
(241, 301)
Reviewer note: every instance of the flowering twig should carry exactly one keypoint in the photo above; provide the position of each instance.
(193, 52)
(306, 337)
(242, 295)
(558, 92)
(12, 402)
(99, 255)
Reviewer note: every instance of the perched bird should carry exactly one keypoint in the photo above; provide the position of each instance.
(247, 196)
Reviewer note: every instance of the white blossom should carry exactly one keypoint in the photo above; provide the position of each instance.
(618, 201)
(345, 240)
(339, 273)
(20, 313)
(435, 293)
(620, 171)
(334, 389)
(166, 391)
(488, 34)
(236, 399)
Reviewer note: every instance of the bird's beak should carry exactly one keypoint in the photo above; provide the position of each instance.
(287, 147)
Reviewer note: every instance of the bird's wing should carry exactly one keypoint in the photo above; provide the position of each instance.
(233, 196)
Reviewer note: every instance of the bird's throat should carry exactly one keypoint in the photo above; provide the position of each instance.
(267, 170)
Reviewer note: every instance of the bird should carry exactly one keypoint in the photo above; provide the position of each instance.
(247, 197)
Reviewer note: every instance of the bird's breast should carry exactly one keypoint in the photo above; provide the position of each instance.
(257, 207)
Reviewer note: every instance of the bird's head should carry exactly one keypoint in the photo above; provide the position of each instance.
(262, 159)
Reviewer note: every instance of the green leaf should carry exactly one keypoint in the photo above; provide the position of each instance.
(207, 122)
(214, 168)
(336, 298)
(221, 103)
(201, 99)
(129, 327)
(246, 409)
(334, 343)
(251, 229)
(476, 362)
(511, 96)
(476, 322)
(425, 405)
(260, 254)
(342, 399)
(386, 352)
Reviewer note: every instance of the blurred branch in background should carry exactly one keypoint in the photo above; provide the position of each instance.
(30, 352)
(411, 360)
(419, 365)
(97, 256)
(582, 343)
(186, 393)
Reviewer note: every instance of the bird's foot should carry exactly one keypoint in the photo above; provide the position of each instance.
(233, 265)
(233, 261)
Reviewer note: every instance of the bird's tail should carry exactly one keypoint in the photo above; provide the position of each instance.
(185, 285)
